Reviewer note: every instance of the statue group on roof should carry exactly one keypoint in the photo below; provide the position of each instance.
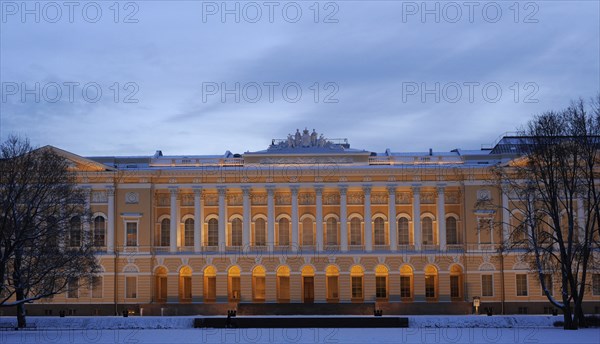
(302, 139)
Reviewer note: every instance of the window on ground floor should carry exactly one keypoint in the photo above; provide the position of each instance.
(521, 280)
(131, 287)
(487, 285)
(595, 284)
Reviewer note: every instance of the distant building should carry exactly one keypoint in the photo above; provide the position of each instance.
(308, 220)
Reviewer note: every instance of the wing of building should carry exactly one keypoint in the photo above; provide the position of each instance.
(308, 220)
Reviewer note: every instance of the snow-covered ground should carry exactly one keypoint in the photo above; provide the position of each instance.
(424, 329)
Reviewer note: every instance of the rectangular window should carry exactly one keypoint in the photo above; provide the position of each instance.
(284, 288)
(73, 288)
(484, 227)
(96, 287)
(381, 287)
(131, 287)
(357, 292)
(186, 282)
(430, 286)
(161, 288)
(548, 284)
(332, 287)
(235, 288)
(596, 284)
(487, 285)
(259, 288)
(405, 287)
(521, 284)
(131, 233)
(284, 233)
(455, 287)
(211, 288)
(355, 232)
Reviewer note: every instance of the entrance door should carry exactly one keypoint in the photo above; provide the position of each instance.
(309, 289)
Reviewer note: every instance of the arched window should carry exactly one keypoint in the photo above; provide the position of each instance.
(451, 231)
(381, 279)
(236, 232)
(213, 232)
(260, 232)
(427, 230)
(258, 284)
(356, 280)
(456, 283)
(333, 274)
(355, 231)
(165, 232)
(431, 277)
(210, 284)
(234, 284)
(99, 231)
(284, 232)
(403, 236)
(75, 232)
(188, 232)
(307, 232)
(283, 284)
(332, 231)
(406, 282)
(379, 231)
(185, 284)
(161, 284)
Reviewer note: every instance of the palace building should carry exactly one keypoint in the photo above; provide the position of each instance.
(307, 225)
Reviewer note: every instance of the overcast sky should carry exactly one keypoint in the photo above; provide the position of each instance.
(195, 77)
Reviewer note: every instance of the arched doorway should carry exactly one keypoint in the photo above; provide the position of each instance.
(332, 274)
(210, 284)
(233, 276)
(161, 284)
(283, 284)
(258, 284)
(185, 284)
(308, 284)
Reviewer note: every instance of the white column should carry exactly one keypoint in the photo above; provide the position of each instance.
(368, 225)
(110, 230)
(392, 217)
(417, 216)
(270, 218)
(198, 219)
(579, 231)
(246, 224)
(174, 220)
(88, 218)
(295, 241)
(441, 210)
(505, 218)
(319, 222)
(222, 218)
(343, 218)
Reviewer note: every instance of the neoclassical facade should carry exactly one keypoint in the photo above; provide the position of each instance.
(307, 221)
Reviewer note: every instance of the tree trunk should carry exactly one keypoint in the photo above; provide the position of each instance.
(21, 321)
(580, 314)
(568, 318)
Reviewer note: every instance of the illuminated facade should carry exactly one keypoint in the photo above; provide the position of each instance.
(307, 221)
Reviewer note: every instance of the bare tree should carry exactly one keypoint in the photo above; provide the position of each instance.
(43, 248)
(555, 202)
